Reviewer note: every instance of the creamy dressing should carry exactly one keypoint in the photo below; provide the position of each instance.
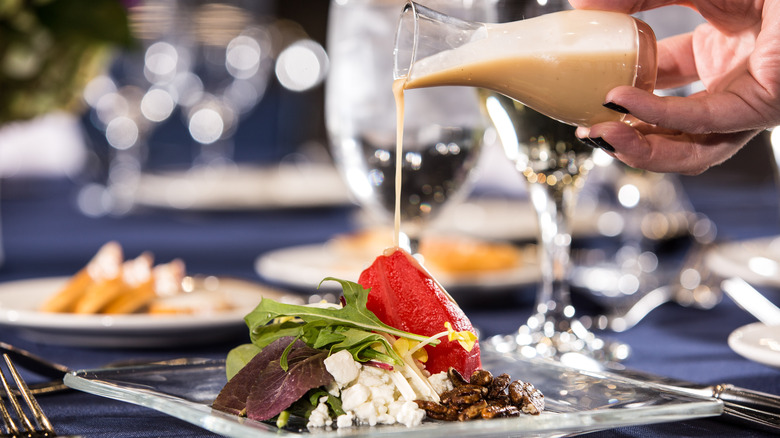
(398, 93)
(548, 63)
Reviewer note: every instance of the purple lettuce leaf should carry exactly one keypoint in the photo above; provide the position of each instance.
(275, 389)
(262, 389)
(232, 397)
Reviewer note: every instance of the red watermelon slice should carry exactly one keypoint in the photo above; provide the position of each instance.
(403, 295)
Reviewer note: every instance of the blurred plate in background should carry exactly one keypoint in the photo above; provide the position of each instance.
(305, 266)
(243, 188)
(20, 300)
(758, 342)
(756, 261)
(506, 219)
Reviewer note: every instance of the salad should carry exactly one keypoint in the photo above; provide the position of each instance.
(395, 350)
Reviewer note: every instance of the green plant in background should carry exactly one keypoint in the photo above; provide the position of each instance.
(50, 49)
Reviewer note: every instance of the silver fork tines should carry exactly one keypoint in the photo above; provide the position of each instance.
(16, 421)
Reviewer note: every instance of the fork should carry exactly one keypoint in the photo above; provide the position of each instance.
(19, 424)
(38, 365)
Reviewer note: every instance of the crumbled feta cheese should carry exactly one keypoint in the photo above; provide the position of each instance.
(333, 389)
(366, 414)
(373, 376)
(385, 419)
(410, 414)
(345, 420)
(383, 393)
(369, 395)
(319, 416)
(354, 396)
(440, 382)
(342, 367)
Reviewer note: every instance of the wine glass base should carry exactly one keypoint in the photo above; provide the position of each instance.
(557, 339)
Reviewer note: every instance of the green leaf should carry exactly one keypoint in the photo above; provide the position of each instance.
(267, 334)
(238, 357)
(360, 343)
(283, 359)
(309, 402)
(352, 327)
(353, 314)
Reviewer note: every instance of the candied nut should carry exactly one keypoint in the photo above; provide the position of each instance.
(497, 411)
(498, 385)
(437, 411)
(533, 400)
(447, 416)
(516, 393)
(465, 399)
(467, 391)
(502, 399)
(484, 396)
(481, 378)
(473, 411)
(431, 406)
(456, 377)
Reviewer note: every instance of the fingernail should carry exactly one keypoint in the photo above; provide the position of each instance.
(598, 142)
(615, 107)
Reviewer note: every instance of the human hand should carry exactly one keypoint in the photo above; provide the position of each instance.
(736, 55)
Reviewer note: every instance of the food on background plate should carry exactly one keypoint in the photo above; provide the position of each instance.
(443, 253)
(468, 255)
(109, 284)
(394, 351)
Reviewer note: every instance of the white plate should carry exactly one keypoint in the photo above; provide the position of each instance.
(305, 266)
(500, 219)
(757, 261)
(575, 401)
(758, 342)
(243, 188)
(19, 301)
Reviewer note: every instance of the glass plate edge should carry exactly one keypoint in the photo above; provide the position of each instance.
(549, 424)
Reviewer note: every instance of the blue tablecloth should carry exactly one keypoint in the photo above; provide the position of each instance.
(45, 235)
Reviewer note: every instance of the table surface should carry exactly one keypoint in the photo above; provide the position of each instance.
(45, 235)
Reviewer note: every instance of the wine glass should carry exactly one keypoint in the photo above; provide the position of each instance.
(131, 100)
(555, 164)
(443, 127)
(231, 65)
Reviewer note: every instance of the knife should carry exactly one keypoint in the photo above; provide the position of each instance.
(746, 405)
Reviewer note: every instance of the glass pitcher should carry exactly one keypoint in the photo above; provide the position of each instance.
(561, 64)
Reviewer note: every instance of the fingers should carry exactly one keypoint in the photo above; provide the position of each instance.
(627, 6)
(676, 61)
(663, 151)
(702, 113)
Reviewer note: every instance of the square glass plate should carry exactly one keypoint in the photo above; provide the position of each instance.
(576, 401)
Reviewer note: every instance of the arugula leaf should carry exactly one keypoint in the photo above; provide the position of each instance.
(359, 342)
(351, 327)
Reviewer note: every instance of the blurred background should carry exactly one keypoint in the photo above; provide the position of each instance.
(202, 130)
(285, 116)
(184, 119)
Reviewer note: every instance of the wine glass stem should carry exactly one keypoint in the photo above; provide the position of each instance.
(553, 301)
(414, 245)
